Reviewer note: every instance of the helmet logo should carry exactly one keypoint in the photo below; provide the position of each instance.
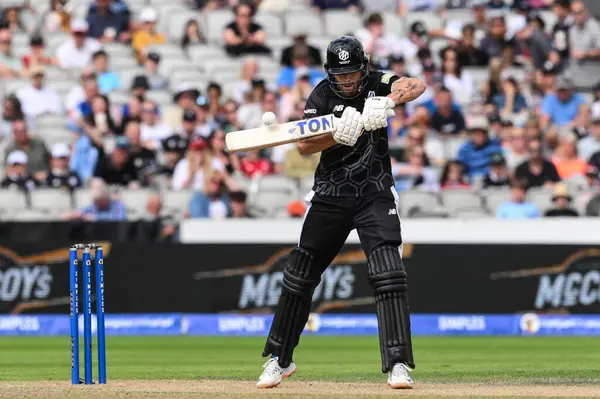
(343, 55)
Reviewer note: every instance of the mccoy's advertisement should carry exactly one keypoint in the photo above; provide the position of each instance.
(245, 278)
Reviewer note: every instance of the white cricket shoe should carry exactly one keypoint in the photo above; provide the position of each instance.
(274, 373)
(398, 377)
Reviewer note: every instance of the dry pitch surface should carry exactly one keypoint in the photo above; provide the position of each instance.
(288, 389)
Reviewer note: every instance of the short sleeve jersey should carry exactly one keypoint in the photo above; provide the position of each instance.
(352, 171)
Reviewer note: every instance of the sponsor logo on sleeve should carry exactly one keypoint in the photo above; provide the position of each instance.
(386, 78)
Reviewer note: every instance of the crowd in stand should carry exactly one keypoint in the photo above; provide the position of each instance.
(527, 122)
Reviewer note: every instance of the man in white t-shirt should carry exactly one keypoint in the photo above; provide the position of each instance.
(76, 52)
(153, 130)
(37, 99)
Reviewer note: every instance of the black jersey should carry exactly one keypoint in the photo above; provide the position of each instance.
(362, 169)
(560, 38)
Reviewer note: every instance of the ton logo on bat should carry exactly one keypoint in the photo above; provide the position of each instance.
(313, 125)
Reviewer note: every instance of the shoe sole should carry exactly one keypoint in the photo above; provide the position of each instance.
(401, 385)
(283, 377)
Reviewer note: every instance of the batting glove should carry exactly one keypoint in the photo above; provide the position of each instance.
(376, 112)
(349, 127)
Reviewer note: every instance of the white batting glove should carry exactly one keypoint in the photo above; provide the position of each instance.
(376, 112)
(349, 127)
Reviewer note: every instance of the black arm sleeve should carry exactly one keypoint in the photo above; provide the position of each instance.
(384, 84)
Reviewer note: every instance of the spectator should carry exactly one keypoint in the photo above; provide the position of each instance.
(103, 208)
(146, 34)
(204, 122)
(58, 18)
(132, 111)
(38, 99)
(510, 100)
(232, 122)
(300, 64)
(296, 96)
(238, 208)
(248, 72)
(109, 21)
(476, 153)
(188, 128)
(191, 171)
(155, 79)
(153, 130)
(11, 19)
(407, 6)
(584, 35)
(563, 108)
(446, 119)
(481, 22)
(516, 149)
(11, 110)
(378, 43)
(244, 36)
(518, 207)
(562, 202)
(298, 47)
(538, 171)
(98, 123)
(16, 174)
(595, 160)
(453, 176)
(60, 176)
(117, 167)
(185, 97)
(565, 158)
(498, 176)
(10, 66)
(210, 203)
(397, 125)
(253, 165)
(192, 34)
(459, 82)
(155, 225)
(560, 32)
(396, 64)
(77, 95)
(173, 149)
(218, 149)
(590, 188)
(498, 5)
(140, 86)
(590, 144)
(33, 147)
(76, 52)
(214, 94)
(249, 113)
(85, 157)
(433, 80)
(415, 173)
(434, 149)
(349, 5)
(108, 81)
(143, 159)
(36, 57)
(495, 43)
(298, 166)
(468, 54)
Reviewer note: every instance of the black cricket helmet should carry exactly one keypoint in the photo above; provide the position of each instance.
(346, 55)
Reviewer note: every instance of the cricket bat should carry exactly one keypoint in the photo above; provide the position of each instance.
(283, 133)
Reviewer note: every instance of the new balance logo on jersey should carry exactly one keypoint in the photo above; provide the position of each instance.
(338, 108)
(393, 211)
(371, 94)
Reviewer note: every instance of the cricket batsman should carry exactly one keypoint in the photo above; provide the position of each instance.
(353, 189)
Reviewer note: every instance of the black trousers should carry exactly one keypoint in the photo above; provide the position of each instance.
(329, 220)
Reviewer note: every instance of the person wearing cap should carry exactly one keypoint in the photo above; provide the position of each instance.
(109, 21)
(33, 147)
(563, 107)
(155, 79)
(562, 202)
(146, 35)
(174, 148)
(117, 167)
(560, 32)
(243, 35)
(36, 55)
(188, 128)
(140, 86)
(476, 154)
(518, 207)
(300, 45)
(60, 176)
(38, 99)
(378, 43)
(498, 175)
(300, 65)
(107, 80)
(76, 52)
(590, 144)
(185, 97)
(152, 128)
(16, 174)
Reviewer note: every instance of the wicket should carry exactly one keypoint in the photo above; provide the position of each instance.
(87, 312)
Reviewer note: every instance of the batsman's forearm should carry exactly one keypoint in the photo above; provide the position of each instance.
(406, 89)
(315, 144)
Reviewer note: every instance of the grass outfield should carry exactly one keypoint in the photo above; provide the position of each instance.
(195, 361)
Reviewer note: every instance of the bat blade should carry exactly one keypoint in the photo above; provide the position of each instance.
(283, 133)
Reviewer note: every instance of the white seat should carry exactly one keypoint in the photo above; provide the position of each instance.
(82, 197)
(464, 15)
(456, 199)
(202, 52)
(13, 199)
(31, 215)
(272, 24)
(415, 199)
(296, 23)
(470, 213)
(54, 199)
(393, 23)
(177, 202)
(123, 62)
(117, 50)
(496, 197)
(541, 198)
(221, 64)
(135, 200)
(51, 121)
(275, 183)
(127, 76)
(161, 97)
(177, 23)
(194, 78)
(118, 98)
(13, 85)
(168, 50)
(168, 66)
(54, 40)
(270, 203)
(55, 135)
(340, 22)
(215, 21)
(166, 12)
(452, 146)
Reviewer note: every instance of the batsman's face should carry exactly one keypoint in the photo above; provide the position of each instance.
(349, 83)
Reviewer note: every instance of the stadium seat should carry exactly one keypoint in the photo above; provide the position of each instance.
(31, 215)
(117, 50)
(470, 213)
(275, 183)
(452, 146)
(82, 197)
(195, 78)
(272, 24)
(168, 66)
(415, 199)
(340, 22)
(55, 135)
(202, 52)
(177, 202)
(168, 50)
(221, 64)
(541, 198)
(13, 85)
(51, 199)
(123, 62)
(167, 11)
(309, 23)
(457, 199)
(269, 204)
(54, 40)
(215, 21)
(50, 121)
(462, 15)
(393, 23)
(177, 23)
(13, 199)
(430, 20)
(135, 200)
(496, 197)
(127, 75)
(118, 98)
(161, 97)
